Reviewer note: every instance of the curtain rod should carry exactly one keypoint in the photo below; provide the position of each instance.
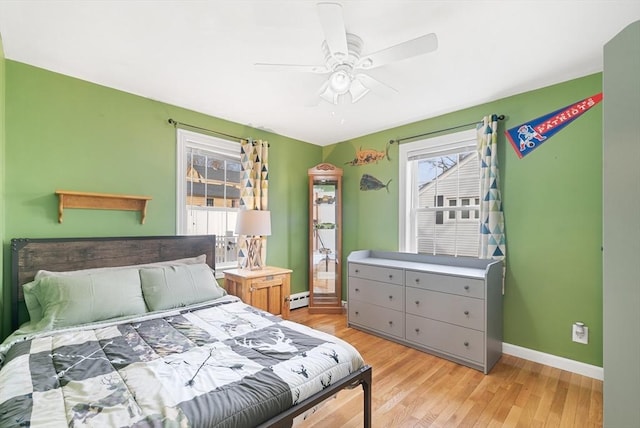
(176, 124)
(398, 140)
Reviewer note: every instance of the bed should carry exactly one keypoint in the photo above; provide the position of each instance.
(136, 332)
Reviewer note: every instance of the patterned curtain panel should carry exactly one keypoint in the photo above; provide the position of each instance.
(492, 236)
(254, 191)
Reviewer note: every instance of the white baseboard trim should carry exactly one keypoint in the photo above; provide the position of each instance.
(562, 363)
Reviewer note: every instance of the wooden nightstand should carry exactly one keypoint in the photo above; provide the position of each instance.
(267, 289)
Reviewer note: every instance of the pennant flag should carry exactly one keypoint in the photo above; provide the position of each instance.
(526, 137)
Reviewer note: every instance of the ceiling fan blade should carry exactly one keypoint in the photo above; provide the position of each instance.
(319, 69)
(335, 34)
(410, 48)
(370, 82)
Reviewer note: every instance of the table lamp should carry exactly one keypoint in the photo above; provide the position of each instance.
(254, 224)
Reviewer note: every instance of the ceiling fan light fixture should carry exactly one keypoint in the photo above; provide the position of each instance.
(328, 94)
(357, 90)
(340, 82)
(343, 60)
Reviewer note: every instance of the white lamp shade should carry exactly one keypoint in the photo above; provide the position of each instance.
(253, 223)
(358, 90)
(340, 82)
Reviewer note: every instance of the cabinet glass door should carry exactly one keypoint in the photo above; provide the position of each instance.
(325, 239)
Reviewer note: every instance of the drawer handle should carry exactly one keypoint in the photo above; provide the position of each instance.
(357, 290)
(357, 313)
(466, 344)
(390, 323)
(417, 280)
(466, 313)
(357, 270)
(417, 330)
(390, 276)
(390, 297)
(466, 287)
(417, 302)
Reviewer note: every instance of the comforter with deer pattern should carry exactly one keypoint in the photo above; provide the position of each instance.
(224, 364)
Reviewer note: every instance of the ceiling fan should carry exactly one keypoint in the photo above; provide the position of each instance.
(343, 60)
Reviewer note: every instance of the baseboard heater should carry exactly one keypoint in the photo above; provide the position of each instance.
(299, 300)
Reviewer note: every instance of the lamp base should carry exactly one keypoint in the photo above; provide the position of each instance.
(254, 254)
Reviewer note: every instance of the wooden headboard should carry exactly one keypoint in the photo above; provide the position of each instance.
(28, 256)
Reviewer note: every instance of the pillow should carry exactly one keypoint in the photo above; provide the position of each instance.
(31, 301)
(33, 306)
(186, 261)
(170, 287)
(80, 299)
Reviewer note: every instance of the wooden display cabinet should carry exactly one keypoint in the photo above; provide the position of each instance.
(325, 239)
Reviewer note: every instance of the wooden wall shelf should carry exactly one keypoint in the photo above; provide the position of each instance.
(101, 201)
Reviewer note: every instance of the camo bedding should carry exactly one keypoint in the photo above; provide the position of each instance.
(223, 364)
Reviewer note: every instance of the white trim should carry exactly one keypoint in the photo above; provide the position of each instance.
(441, 144)
(562, 363)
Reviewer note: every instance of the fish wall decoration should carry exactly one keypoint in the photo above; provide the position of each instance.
(367, 156)
(369, 182)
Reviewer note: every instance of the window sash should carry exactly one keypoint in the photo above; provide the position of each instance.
(410, 153)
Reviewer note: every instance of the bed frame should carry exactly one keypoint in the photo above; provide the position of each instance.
(64, 254)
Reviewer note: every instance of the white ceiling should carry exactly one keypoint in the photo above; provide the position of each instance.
(200, 54)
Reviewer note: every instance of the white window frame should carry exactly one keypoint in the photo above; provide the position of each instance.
(408, 188)
(189, 139)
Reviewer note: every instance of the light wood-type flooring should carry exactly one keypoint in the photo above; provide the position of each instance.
(415, 389)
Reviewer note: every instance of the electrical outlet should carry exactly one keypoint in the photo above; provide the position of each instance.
(580, 333)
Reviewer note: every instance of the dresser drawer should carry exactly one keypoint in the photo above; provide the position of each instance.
(377, 293)
(451, 308)
(377, 273)
(384, 320)
(448, 338)
(447, 284)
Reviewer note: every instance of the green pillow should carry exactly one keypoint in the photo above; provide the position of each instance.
(74, 300)
(34, 308)
(171, 287)
(31, 301)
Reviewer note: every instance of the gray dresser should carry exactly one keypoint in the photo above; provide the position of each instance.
(447, 306)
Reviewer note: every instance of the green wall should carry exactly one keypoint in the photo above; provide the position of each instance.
(65, 133)
(4, 296)
(552, 202)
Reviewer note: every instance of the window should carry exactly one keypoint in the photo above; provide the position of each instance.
(432, 172)
(208, 191)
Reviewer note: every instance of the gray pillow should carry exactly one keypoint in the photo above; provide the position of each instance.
(171, 287)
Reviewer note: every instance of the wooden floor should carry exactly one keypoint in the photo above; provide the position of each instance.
(415, 389)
